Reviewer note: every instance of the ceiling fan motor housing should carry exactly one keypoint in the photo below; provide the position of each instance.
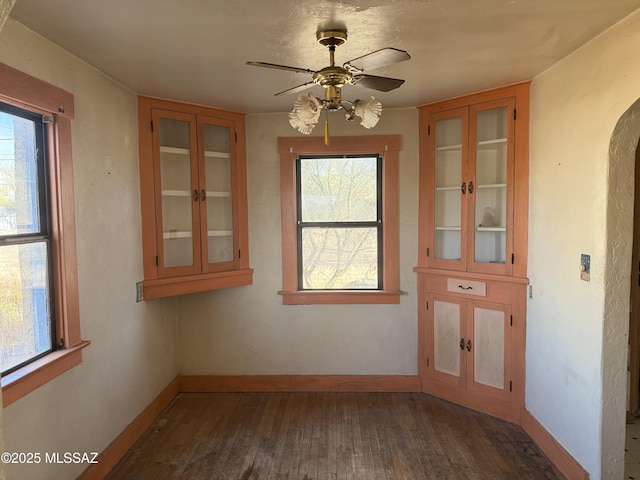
(332, 38)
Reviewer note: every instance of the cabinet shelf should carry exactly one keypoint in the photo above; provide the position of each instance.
(445, 148)
(185, 152)
(187, 234)
(176, 193)
(493, 141)
(187, 193)
(176, 234)
(447, 229)
(491, 185)
(212, 154)
(174, 150)
(219, 233)
(491, 229)
(447, 189)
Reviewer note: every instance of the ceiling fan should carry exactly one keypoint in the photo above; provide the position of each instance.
(307, 107)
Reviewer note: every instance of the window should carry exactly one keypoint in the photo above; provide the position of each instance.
(26, 328)
(39, 310)
(339, 220)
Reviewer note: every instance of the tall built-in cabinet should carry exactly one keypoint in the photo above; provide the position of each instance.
(194, 198)
(472, 258)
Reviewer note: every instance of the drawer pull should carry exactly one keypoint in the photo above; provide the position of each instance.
(465, 288)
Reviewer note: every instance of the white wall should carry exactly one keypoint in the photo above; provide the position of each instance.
(577, 331)
(132, 356)
(247, 330)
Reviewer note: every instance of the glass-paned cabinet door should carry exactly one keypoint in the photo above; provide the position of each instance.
(216, 179)
(449, 149)
(492, 164)
(175, 156)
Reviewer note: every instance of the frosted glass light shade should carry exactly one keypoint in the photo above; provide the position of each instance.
(369, 111)
(305, 113)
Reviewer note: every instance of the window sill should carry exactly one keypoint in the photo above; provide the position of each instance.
(25, 380)
(340, 297)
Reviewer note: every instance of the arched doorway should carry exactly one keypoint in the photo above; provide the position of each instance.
(618, 270)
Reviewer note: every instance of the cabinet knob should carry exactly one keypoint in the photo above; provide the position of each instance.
(196, 195)
(203, 194)
(462, 344)
(463, 187)
(470, 187)
(468, 345)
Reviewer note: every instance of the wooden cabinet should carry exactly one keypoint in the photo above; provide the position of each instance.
(472, 255)
(193, 194)
(472, 344)
(473, 183)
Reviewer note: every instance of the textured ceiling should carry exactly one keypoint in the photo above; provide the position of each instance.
(195, 50)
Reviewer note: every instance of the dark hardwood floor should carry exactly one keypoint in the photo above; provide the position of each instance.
(329, 436)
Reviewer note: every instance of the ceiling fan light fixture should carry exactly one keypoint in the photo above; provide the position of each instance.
(369, 111)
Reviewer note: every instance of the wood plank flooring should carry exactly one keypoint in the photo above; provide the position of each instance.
(324, 436)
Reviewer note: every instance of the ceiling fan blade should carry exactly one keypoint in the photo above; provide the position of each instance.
(379, 58)
(383, 84)
(299, 88)
(280, 67)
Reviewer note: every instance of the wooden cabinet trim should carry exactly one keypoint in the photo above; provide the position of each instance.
(167, 287)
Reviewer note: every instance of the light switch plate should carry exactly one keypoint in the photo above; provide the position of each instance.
(585, 267)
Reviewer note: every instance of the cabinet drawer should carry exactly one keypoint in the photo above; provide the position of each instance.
(468, 287)
(459, 286)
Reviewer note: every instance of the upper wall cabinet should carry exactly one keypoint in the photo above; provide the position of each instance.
(473, 183)
(194, 198)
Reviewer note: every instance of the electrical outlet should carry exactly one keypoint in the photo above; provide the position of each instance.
(139, 292)
(585, 267)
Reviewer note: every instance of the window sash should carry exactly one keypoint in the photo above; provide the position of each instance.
(42, 235)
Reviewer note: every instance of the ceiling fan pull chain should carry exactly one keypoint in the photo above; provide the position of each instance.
(326, 127)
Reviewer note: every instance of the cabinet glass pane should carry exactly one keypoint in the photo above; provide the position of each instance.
(217, 162)
(175, 180)
(446, 337)
(491, 186)
(448, 179)
(488, 350)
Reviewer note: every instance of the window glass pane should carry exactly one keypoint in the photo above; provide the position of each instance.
(338, 189)
(340, 258)
(18, 176)
(24, 303)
